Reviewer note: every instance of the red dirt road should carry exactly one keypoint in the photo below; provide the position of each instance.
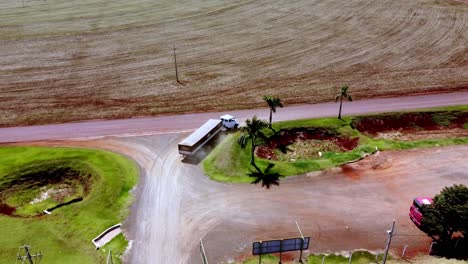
(187, 122)
(341, 209)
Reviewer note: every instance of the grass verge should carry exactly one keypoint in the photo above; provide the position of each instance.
(65, 235)
(359, 257)
(228, 162)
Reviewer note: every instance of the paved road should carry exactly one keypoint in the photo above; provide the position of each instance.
(187, 122)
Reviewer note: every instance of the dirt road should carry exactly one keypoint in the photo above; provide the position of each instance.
(187, 122)
(341, 209)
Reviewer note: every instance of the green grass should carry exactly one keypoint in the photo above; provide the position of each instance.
(228, 162)
(117, 247)
(359, 257)
(266, 259)
(65, 236)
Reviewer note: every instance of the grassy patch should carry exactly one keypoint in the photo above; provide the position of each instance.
(266, 259)
(359, 257)
(228, 162)
(117, 247)
(65, 236)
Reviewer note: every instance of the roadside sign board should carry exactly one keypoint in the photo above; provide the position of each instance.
(276, 246)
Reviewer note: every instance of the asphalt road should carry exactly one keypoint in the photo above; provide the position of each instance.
(188, 122)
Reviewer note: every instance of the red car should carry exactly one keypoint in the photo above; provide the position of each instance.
(415, 210)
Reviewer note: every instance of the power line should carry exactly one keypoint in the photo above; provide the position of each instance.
(31, 259)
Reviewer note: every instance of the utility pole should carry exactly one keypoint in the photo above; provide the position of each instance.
(302, 242)
(175, 64)
(203, 254)
(28, 257)
(389, 240)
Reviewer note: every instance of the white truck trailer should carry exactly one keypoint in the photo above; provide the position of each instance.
(207, 131)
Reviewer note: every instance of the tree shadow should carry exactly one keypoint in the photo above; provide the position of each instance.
(284, 148)
(453, 249)
(267, 177)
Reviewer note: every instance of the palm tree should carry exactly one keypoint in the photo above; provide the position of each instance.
(343, 94)
(253, 133)
(272, 102)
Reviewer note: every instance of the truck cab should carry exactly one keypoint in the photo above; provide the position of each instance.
(229, 122)
(415, 213)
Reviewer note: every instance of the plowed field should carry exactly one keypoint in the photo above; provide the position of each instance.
(92, 59)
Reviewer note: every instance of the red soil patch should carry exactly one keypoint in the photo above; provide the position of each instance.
(287, 137)
(409, 122)
(6, 209)
(351, 172)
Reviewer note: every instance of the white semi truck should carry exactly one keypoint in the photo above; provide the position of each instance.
(205, 133)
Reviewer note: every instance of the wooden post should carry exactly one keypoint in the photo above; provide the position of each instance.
(281, 251)
(404, 251)
(175, 64)
(430, 248)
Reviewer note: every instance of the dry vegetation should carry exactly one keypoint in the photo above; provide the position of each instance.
(91, 59)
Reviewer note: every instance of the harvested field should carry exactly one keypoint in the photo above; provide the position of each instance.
(96, 59)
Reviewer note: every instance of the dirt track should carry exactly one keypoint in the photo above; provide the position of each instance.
(95, 59)
(176, 205)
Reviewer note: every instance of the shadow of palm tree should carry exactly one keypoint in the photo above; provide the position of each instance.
(267, 177)
(284, 148)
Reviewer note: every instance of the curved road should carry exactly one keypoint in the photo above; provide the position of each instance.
(341, 209)
(187, 122)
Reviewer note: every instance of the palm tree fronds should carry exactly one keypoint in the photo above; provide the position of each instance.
(337, 97)
(243, 140)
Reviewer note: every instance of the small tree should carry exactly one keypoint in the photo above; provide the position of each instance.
(252, 132)
(447, 215)
(343, 94)
(272, 102)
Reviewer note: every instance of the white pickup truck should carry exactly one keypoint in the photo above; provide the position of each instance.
(229, 122)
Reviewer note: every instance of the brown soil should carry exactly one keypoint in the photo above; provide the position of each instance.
(286, 137)
(72, 60)
(441, 133)
(410, 122)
